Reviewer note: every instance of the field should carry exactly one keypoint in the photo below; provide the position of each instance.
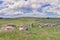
(36, 33)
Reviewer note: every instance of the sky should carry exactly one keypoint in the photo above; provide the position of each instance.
(29, 8)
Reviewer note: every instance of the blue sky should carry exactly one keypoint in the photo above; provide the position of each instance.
(1, 2)
(29, 8)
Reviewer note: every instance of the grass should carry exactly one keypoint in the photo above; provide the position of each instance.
(36, 33)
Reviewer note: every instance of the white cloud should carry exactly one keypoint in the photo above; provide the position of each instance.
(30, 3)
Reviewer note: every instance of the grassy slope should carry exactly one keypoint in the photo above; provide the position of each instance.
(36, 33)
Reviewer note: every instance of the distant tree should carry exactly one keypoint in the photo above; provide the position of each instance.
(48, 18)
(1, 18)
(25, 0)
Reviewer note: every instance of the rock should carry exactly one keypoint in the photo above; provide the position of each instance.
(41, 25)
(13, 25)
(22, 27)
(31, 25)
(8, 27)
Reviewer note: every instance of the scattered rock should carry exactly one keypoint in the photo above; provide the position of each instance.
(22, 27)
(31, 25)
(41, 25)
(8, 27)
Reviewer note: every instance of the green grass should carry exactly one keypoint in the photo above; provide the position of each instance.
(36, 33)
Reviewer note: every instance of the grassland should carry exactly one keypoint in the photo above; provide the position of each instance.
(36, 33)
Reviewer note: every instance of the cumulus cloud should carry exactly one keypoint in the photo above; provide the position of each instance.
(29, 8)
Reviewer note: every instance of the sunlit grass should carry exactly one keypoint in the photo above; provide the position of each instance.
(36, 33)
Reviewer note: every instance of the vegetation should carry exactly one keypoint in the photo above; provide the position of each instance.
(35, 33)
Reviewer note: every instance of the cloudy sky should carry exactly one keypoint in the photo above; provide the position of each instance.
(29, 8)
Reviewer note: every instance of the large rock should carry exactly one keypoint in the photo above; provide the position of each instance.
(41, 25)
(8, 27)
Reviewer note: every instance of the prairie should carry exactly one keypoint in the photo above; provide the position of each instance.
(35, 33)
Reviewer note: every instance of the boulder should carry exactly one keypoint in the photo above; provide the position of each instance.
(22, 27)
(8, 27)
